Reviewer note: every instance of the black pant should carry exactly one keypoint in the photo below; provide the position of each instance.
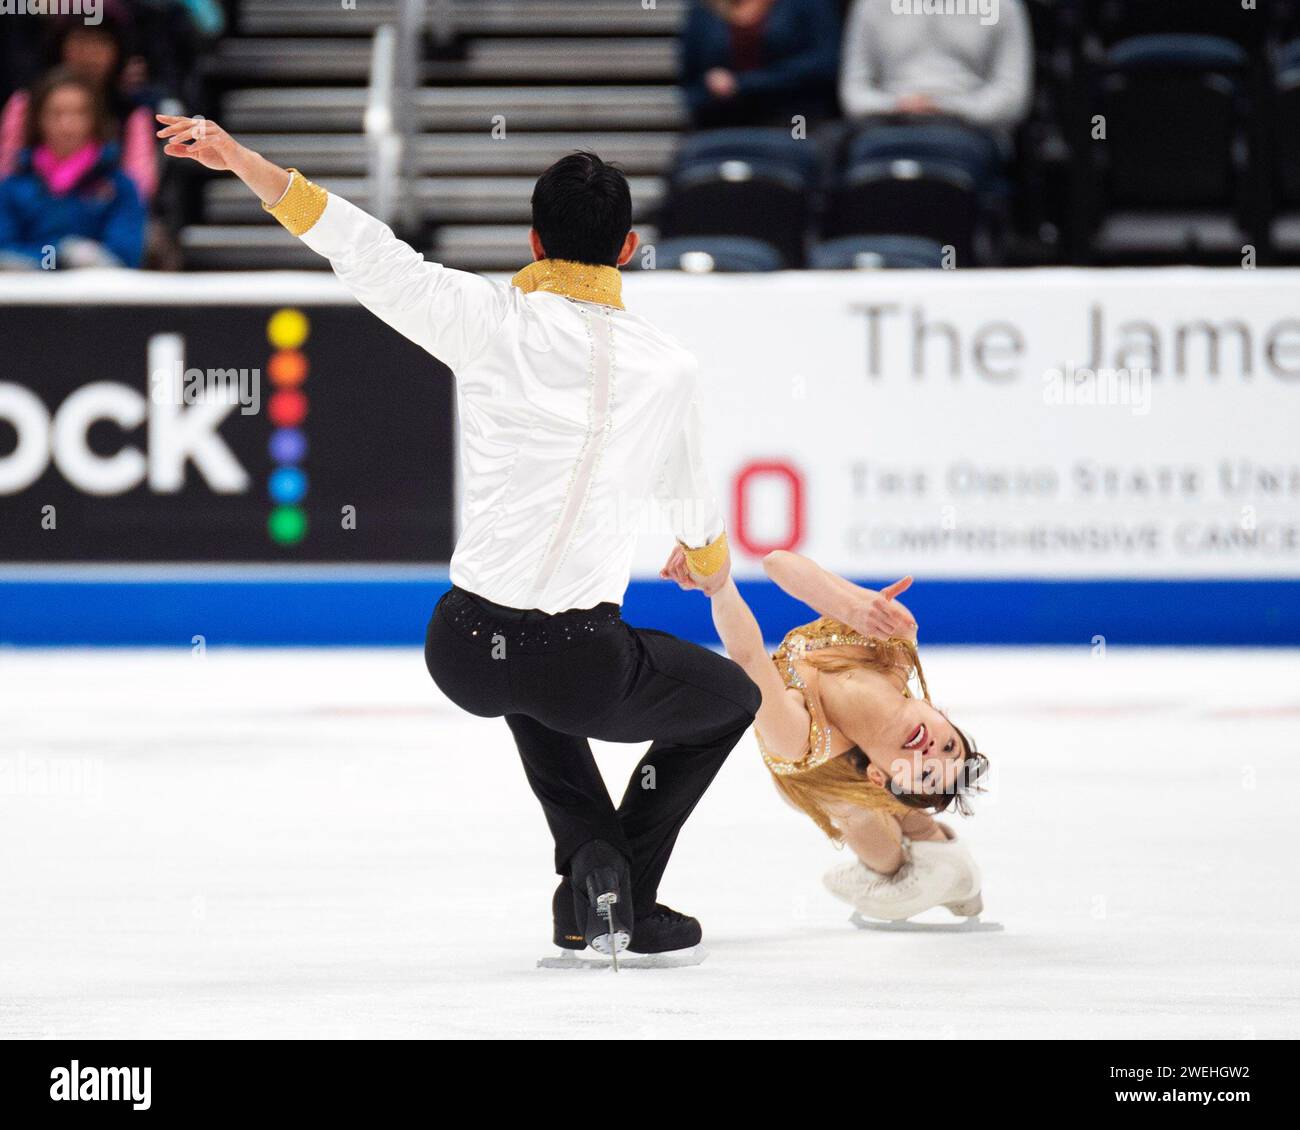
(561, 679)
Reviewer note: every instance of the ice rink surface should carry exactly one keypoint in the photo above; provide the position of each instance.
(316, 844)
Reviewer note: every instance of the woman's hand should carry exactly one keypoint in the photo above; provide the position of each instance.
(677, 569)
(881, 615)
(199, 139)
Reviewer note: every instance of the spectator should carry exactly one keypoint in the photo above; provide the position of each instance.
(171, 35)
(68, 192)
(99, 53)
(928, 67)
(759, 62)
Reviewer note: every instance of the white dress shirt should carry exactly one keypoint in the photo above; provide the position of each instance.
(573, 415)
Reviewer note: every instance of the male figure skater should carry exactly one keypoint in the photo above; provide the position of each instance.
(574, 412)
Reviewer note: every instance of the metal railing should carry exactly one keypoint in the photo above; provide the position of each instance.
(412, 19)
(389, 115)
(383, 141)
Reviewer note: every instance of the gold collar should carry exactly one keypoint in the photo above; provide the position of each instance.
(587, 282)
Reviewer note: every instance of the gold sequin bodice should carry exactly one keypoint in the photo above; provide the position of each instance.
(798, 642)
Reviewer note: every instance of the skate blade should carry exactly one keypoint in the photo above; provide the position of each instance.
(971, 925)
(574, 960)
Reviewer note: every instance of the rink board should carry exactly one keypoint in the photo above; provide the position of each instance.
(305, 610)
(943, 424)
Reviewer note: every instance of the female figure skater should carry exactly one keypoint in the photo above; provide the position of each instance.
(850, 744)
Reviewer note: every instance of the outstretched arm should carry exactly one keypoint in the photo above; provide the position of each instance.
(782, 717)
(201, 140)
(869, 612)
(451, 314)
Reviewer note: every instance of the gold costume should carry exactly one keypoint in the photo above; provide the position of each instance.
(706, 559)
(819, 778)
(301, 205)
(587, 282)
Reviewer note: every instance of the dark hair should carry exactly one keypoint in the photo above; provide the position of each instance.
(973, 767)
(56, 80)
(582, 210)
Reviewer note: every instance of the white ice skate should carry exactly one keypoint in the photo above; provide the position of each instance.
(934, 873)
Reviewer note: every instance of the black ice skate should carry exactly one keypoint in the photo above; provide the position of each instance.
(602, 898)
(664, 938)
(665, 930)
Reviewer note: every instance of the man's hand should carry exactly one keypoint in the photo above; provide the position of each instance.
(916, 104)
(202, 140)
(676, 569)
(881, 615)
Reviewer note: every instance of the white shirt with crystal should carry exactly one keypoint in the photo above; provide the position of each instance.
(573, 416)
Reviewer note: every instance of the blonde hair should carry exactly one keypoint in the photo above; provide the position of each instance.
(840, 780)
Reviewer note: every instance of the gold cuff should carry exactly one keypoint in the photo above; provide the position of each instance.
(708, 559)
(300, 206)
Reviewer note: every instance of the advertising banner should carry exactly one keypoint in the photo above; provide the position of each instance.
(1092, 424)
(281, 433)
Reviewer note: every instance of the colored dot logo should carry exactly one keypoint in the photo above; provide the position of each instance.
(287, 331)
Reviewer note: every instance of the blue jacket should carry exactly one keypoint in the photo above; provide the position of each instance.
(103, 206)
(800, 64)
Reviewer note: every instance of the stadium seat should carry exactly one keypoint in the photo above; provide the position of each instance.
(1287, 123)
(760, 146)
(1173, 110)
(708, 253)
(947, 143)
(1172, 179)
(761, 199)
(1286, 171)
(876, 252)
(1178, 51)
(1115, 20)
(930, 199)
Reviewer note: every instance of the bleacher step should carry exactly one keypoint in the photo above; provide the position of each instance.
(468, 17)
(490, 247)
(438, 199)
(473, 108)
(450, 154)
